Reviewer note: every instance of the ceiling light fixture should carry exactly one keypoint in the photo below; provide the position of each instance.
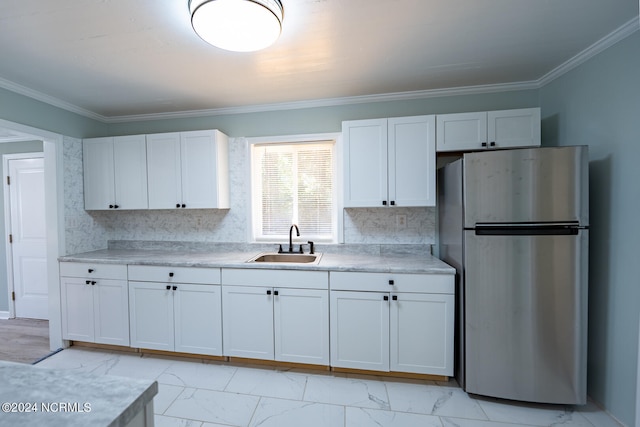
(237, 25)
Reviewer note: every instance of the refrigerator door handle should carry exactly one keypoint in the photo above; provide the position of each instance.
(528, 230)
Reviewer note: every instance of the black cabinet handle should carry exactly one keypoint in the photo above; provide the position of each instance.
(90, 270)
(393, 202)
(171, 274)
(175, 288)
(492, 144)
(384, 203)
(110, 206)
(116, 206)
(269, 292)
(184, 206)
(93, 282)
(168, 287)
(275, 293)
(177, 205)
(386, 297)
(395, 297)
(484, 144)
(88, 282)
(391, 282)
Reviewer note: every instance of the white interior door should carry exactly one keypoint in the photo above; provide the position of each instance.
(28, 236)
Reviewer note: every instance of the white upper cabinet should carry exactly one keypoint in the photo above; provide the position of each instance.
(488, 130)
(389, 162)
(115, 173)
(461, 132)
(164, 171)
(412, 161)
(188, 170)
(365, 162)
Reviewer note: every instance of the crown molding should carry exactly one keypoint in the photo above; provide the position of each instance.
(47, 99)
(330, 102)
(612, 38)
(604, 43)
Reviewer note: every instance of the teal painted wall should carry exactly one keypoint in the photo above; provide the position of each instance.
(598, 104)
(10, 148)
(29, 112)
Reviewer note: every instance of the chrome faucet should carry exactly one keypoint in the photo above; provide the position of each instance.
(291, 237)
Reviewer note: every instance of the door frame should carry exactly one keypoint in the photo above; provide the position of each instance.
(7, 220)
(54, 210)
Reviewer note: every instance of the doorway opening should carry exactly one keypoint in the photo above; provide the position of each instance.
(54, 216)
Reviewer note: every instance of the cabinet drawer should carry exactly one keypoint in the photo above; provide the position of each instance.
(93, 270)
(277, 278)
(148, 273)
(392, 282)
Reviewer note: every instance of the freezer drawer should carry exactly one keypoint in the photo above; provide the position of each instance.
(525, 316)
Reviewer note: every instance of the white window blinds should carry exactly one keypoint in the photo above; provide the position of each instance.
(293, 183)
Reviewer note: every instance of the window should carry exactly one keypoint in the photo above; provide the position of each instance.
(293, 182)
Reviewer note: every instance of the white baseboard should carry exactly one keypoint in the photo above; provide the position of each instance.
(4, 314)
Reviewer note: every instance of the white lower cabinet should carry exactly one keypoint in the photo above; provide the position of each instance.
(421, 338)
(301, 326)
(96, 311)
(359, 330)
(95, 304)
(248, 322)
(280, 322)
(370, 321)
(392, 330)
(175, 316)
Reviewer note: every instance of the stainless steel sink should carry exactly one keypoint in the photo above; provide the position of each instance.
(287, 258)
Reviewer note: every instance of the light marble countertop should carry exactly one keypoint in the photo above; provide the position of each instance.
(384, 262)
(94, 400)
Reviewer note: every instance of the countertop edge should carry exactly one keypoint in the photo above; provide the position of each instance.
(418, 264)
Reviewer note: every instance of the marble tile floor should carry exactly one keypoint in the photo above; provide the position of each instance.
(197, 393)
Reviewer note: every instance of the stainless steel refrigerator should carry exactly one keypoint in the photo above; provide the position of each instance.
(514, 224)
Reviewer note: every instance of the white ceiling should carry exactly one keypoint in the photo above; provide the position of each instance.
(114, 58)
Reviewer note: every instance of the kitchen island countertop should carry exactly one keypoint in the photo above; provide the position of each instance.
(33, 396)
(400, 262)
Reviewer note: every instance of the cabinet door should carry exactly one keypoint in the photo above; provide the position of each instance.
(151, 315)
(301, 322)
(365, 163)
(198, 319)
(422, 333)
(164, 171)
(461, 132)
(130, 171)
(514, 128)
(247, 322)
(412, 161)
(77, 309)
(203, 184)
(99, 185)
(359, 330)
(111, 312)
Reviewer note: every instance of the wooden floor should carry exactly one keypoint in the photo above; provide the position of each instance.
(24, 340)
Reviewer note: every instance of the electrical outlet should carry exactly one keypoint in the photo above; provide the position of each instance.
(401, 221)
